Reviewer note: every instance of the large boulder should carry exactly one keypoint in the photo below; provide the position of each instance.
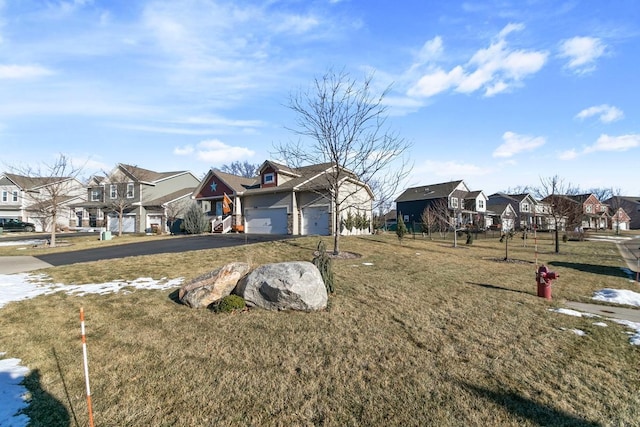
(294, 285)
(210, 287)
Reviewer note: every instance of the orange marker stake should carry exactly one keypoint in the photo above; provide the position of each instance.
(86, 366)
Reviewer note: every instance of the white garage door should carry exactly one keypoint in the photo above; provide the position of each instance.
(315, 221)
(266, 221)
(128, 224)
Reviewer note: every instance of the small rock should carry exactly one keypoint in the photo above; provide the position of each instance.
(213, 286)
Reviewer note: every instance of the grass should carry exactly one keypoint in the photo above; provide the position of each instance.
(427, 335)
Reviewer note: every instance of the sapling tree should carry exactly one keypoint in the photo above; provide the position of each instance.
(342, 123)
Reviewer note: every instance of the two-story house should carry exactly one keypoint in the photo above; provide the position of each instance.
(282, 200)
(595, 214)
(31, 199)
(523, 205)
(631, 206)
(146, 199)
(446, 198)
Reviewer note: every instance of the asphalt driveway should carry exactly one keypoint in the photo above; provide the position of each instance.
(11, 265)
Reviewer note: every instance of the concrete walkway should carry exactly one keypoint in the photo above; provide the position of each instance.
(21, 264)
(630, 314)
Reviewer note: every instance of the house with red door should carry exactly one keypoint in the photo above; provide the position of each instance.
(282, 200)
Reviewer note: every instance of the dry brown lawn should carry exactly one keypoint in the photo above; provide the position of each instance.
(428, 335)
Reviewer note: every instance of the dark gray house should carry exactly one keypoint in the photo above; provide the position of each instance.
(451, 198)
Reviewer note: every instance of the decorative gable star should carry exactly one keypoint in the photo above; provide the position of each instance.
(213, 186)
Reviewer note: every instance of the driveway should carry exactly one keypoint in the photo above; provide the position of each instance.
(20, 264)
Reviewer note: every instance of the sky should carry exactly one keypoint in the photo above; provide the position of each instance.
(497, 93)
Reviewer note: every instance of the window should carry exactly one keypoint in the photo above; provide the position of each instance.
(589, 208)
(114, 191)
(95, 195)
(5, 196)
(130, 190)
(454, 202)
(525, 207)
(480, 204)
(269, 178)
(14, 197)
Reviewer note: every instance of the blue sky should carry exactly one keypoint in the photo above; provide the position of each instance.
(498, 93)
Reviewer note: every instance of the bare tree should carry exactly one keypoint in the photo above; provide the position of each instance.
(344, 125)
(601, 193)
(50, 186)
(245, 169)
(554, 191)
(429, 220)
(120, 191)
(615, 203)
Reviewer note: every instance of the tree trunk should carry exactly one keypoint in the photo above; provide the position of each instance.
(52, 241)
(336, 232)
(557, 240)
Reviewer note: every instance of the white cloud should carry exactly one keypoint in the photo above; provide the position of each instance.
(606, 113)
(217, 152)
(568, 154)
(184, 150)
(582, 53)
(23, 71)
(495, 69)
(615, 143)
(514, 144)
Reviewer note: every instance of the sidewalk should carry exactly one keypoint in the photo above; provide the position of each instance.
(21, 264)
(630, 314)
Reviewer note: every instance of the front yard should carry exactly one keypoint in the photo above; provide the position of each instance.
(416, 334)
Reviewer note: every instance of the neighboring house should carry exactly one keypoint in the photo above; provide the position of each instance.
(503, 217)
(524, 206)
(150, 199)
(620, 221)
(453, 199)
(280, 200)
(27, 198)
(631, 205)
(595, 214)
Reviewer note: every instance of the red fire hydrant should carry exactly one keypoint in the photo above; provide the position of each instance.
(544, 278)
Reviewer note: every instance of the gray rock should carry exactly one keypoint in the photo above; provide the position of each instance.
(284, 286)
(213, 286)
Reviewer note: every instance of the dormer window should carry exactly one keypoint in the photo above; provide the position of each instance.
(269, 178)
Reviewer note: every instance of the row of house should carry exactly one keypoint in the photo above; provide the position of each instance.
(285, 200)
(279, 200)
(455, 204)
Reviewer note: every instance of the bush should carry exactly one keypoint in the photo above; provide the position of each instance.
(323, 262)
(401, 229)
(195, 221)
(228, 304)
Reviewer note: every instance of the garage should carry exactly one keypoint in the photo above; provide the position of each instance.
(266, 221)
(128, 224)
(315, 220)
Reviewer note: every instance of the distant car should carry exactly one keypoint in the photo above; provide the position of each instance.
(16, 225)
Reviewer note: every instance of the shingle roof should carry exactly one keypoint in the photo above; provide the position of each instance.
(30, 183)
(428, 192)
(146, 175)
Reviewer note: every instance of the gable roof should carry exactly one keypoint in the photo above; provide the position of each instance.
(27, 183)
(429, 192)
(146, 175)
(304, 178)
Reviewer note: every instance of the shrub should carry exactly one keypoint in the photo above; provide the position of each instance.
(195, 221)
(401, 229)
(228, 304)
(323, 262)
